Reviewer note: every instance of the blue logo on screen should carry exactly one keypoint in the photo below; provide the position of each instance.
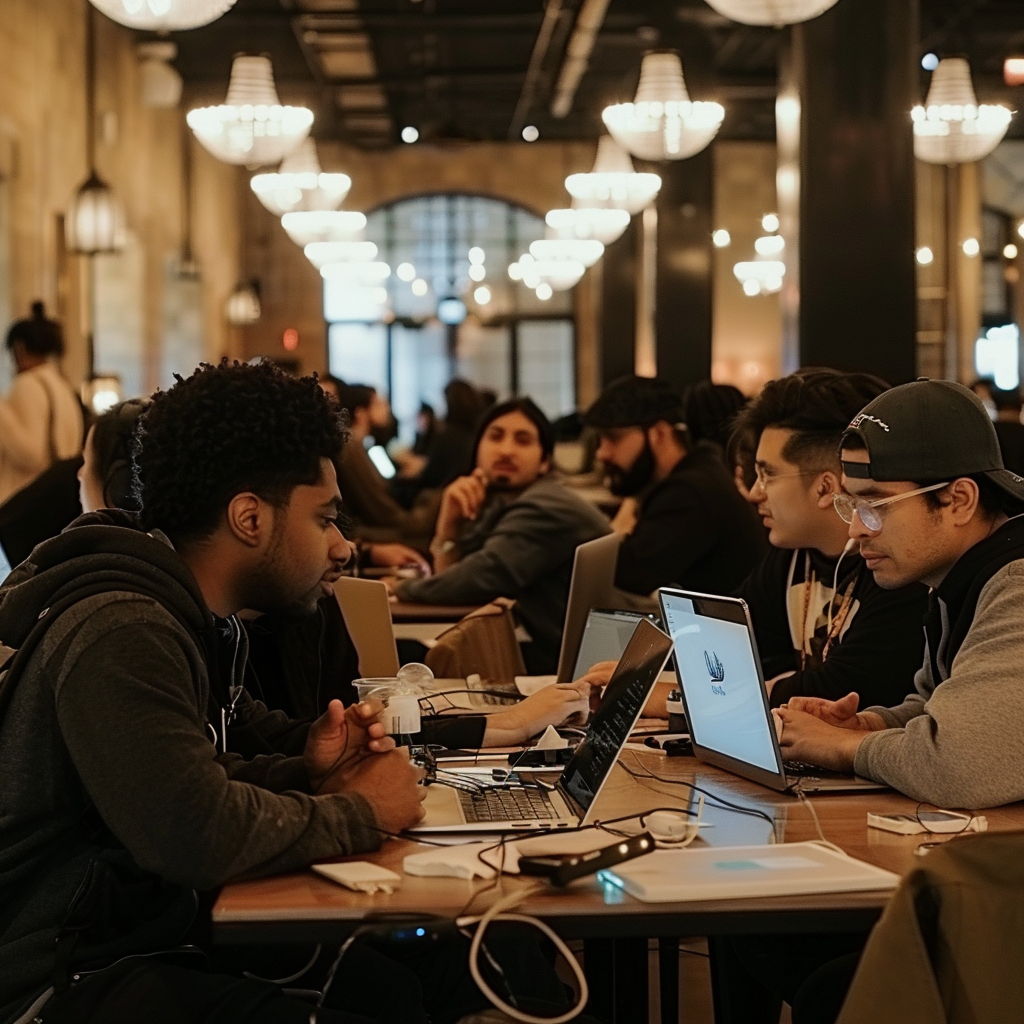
(717, 672)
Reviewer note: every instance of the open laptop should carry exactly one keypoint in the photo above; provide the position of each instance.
(593, 579)
(476, 803)
(605, 637)
(725, 696)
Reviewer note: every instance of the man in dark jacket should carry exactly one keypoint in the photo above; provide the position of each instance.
(510, 529)
(682, 519)
(135, 767)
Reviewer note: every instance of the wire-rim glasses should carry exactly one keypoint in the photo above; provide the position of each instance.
(847, 505)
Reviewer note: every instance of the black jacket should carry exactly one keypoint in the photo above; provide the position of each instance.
(694, 531)
(878, 650)
(115, 802)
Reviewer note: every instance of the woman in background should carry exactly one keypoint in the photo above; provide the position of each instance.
(41, 418)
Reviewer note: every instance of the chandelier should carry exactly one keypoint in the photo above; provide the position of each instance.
(559, 275)
(582, 250)
(163, 15)
(251, 127)
(771, 12)
(760, 277)
(322, 253)
(604, 225)
(951, 128)
(613, 183)
(243, 305)
(663, 123)
(300, 184)
(305, 226)
(357, 273)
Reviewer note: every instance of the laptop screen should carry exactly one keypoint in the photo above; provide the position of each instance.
(605, 638)
(5, 565)
(720, 678)
(624, 698)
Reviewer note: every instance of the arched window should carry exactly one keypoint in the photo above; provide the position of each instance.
(450, 309)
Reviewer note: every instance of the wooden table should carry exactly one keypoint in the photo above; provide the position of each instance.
(305, 907)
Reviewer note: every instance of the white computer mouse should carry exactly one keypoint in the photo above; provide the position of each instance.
(668, 826)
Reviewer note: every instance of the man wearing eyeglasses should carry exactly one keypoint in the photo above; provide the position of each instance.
(927, 499)
(823, 626)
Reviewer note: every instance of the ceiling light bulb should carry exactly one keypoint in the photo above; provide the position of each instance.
(924, 256)
(405, 272)
(1010, 251)
(770, 222)
(515, 272)
(751, 287)
(544, 291)
(721, 238)
(477, 255)
(530, 133)
(769, 245)
(482, 295)
(971, 247)
(930, 61)
(419, 287)
(477, 272)
(662, 122)
(251, 126)
(410, 134)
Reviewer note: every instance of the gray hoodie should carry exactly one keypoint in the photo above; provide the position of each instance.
(115, 802)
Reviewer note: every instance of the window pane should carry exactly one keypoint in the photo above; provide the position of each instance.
(483, 357)
(419, 372)
(358, 354)
(546, 365)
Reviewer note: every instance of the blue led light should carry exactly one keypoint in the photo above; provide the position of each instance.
(420, 932)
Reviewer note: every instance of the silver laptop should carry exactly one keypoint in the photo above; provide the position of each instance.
(593, 580)
(475, 802)
(725, 697)
(605, 637)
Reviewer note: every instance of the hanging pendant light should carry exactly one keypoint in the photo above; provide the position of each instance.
(322, 253)
(243, 305)
(559, 275)
(604, 225)
(771, 12)
(300, 184)
(163, 15)
(663, 123)
(251, 127)
(359, 273)
(585, 251)
(951, 128)
(94, 222)
(305, 226)
(613, 183)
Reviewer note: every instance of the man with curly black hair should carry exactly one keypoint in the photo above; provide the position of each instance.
(135, 767)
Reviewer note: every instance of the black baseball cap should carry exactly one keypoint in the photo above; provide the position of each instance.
(929, 430)
(636, 402)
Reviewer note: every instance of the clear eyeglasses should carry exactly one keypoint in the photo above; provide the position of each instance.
(847, 505)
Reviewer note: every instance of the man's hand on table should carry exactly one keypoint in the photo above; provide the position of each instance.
(340, 737)
(824, 732)
(558, 704)
(398, 556)
(391, 786)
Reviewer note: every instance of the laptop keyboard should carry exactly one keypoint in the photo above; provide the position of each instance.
(803, 770)
(514, 803)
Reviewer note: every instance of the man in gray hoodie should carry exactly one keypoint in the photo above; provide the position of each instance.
(134, 768)
(928, 500)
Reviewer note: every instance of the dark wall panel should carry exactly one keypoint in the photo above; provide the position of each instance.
(618, 305)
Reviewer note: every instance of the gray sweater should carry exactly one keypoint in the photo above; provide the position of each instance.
(961, 743)
(521, 547)
(115, 803)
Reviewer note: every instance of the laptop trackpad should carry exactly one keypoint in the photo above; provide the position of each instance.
(442, 807)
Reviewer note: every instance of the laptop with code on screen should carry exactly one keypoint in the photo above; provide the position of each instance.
(725, 697)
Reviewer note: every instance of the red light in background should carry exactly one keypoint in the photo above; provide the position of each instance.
(1013, 70)
(290, 339)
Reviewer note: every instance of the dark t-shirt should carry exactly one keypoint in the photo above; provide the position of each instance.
(878, 644)
(694, 531)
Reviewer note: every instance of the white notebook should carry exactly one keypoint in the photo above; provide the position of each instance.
(732, 872)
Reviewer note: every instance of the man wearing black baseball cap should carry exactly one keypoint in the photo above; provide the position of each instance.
(927, 499)
(682, 519)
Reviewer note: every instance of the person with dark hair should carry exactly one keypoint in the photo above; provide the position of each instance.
(682, 520)
(136, 767)
(948, 515)
(426, 428)
(376, 515)
(105, 478)
(823, 626)
(711, 410)
(41, 418)
(510, 529)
